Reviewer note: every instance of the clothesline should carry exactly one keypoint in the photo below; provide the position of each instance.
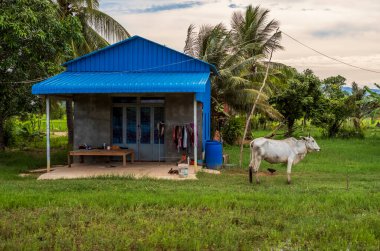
(177, 124)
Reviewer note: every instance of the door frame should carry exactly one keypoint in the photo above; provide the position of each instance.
(136, 147)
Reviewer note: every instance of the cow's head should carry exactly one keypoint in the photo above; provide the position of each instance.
(311, 144)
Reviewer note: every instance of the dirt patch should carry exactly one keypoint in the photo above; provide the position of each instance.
(245, 173)
(59, 134)
(266, 174)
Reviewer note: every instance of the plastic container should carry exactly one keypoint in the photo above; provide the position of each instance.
(183, 170)
(213, 154)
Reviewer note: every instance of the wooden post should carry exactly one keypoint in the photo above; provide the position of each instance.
(47, 133)
(195, 134)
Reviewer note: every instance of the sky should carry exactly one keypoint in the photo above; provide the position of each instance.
(348, 30)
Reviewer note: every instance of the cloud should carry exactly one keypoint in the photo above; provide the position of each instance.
(142, 7)
(328, 33)
(346, 28)
(325, 67)
(236, 6)
(169, 6)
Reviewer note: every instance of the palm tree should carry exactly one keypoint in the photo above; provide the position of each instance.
(233, 86)
(254, 31)
(238, 54)
(98, 30)
(256, 36)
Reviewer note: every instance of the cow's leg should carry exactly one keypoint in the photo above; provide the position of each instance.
(251, 165)
(256, 168)
(289, 169)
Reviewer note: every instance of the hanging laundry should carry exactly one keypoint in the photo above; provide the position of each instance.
(191, 130)
(162, 129)
(184, 145)
(174, 136)
(179, 136)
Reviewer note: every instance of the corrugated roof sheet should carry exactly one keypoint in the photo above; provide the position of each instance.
(120, 82)
(138, 54)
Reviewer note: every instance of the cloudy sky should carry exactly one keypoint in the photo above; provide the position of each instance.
(345, 29)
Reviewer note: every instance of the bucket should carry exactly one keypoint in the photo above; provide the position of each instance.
(213, 154)
(183, 170)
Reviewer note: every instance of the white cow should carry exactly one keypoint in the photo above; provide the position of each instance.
(290, 151)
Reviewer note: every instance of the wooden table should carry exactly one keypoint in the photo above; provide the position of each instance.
(101, 152)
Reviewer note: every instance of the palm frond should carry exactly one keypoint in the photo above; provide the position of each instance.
(189, 43)
(105, 25)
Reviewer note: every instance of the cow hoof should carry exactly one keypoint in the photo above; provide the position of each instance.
(289, 182)
(257, 182)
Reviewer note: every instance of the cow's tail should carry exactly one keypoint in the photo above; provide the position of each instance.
(250, 175)
(250, 167)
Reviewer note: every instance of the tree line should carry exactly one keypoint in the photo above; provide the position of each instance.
(241, 56)
(37, 36)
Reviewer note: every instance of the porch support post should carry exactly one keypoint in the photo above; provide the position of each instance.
(195, 134)
(47, 133)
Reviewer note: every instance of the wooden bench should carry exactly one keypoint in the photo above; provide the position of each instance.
(100, 152)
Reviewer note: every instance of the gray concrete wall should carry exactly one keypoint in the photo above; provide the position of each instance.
(92, 119)
(178, 110)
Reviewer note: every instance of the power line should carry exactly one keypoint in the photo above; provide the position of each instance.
(26, 81)
(327, 56)
(191, 59)
(139, 70)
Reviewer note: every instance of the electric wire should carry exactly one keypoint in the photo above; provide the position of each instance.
(184, 61)
(327, 56)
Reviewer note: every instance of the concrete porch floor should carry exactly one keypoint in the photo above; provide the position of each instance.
(136, 170)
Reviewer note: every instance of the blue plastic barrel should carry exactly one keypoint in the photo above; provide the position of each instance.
(213, 154)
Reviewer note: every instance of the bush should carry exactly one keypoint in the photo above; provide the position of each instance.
(232, 130)
(11, 129)
(57, 111)
(347, 133)
(22, 132)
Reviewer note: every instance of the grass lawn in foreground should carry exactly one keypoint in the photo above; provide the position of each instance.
(215, 212)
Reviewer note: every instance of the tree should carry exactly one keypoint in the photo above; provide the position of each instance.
(300, 99)
(374, 95)
(362, 105)
(253, 32)
(32, 40)
(98, 29)
(237, 54)
(373, 99)
(335, 106)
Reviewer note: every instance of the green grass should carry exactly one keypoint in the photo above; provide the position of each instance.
(215, 212)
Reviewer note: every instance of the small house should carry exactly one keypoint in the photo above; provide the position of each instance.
(137, 94)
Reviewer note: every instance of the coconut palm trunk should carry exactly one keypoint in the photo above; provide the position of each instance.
(254, 107)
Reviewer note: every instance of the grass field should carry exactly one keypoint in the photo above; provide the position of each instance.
(222, 212)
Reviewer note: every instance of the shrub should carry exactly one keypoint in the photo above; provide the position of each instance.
(23, 131)
(232, 130)
(57, 111)
(11, 129)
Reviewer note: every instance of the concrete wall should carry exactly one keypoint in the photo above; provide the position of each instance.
(92, 119)
(179, 109)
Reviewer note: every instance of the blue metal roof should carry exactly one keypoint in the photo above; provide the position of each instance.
(122, 82)
(137, 54)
